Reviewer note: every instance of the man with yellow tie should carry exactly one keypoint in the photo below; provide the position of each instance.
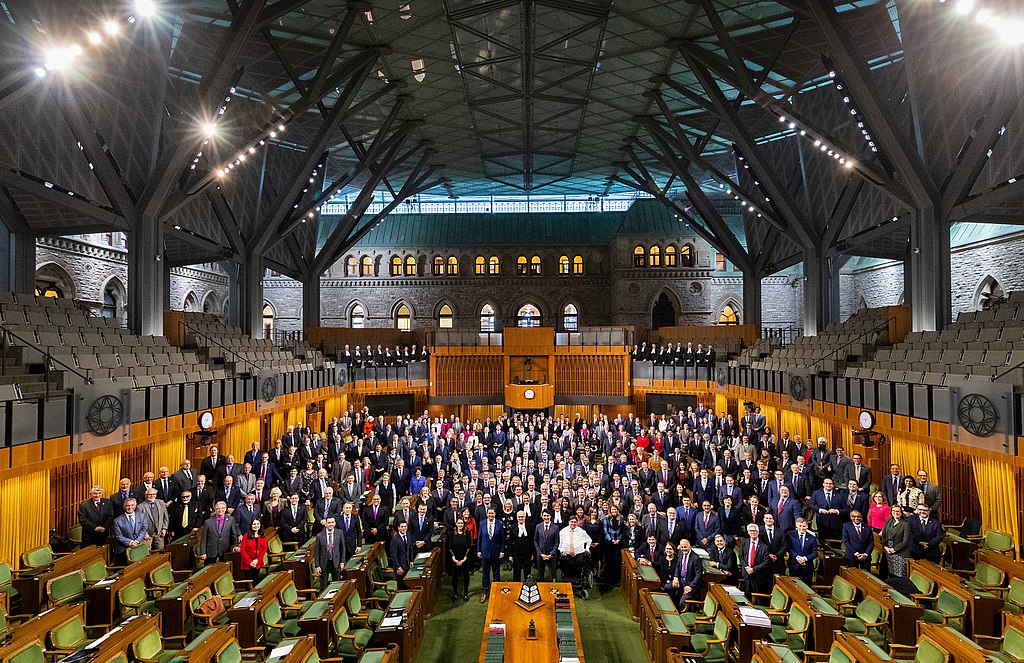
(859, 472)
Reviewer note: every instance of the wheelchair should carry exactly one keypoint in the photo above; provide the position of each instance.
(579, 572)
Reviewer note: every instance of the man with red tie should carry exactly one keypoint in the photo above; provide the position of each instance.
(755, 563)
(95, 515)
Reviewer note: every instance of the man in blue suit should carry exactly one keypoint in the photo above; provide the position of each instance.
(925, 534)
(490, 548)
(786, 510)
(545, 544)
(829, 509)
(858, 541)
(130, 531)
(803, 550)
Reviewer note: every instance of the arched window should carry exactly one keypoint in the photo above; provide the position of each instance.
(563, 264)
(365, 266)
(687, 256)
(453, 266)
(654, 256)
(410, 266)
(577, 264)
(487, 318)
(522, 266)
(493, 266)
(396, 265)
(528, 316)
(445, 317)
(990, 293)
(479, 266)
(351, 266)
(403, 318)
(570, 318)
(191, 303)
(438, 266)
(210, 304)
(49, 290)
(357, 318)
(268, 320)
(729, 316)
(535, 266)
(671, 257)
(112, 300)
(639, 257)
(720, 264)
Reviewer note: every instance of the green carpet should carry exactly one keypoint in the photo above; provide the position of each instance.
(455, 631)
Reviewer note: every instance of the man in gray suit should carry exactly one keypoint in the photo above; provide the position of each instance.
(156, 517)
(130, 531)
(218, 536)
(931, 492)
(329, 552)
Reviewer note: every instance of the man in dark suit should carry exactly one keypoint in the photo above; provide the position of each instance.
(229, 494)
(786, 511)
(775, 538)
(689, 576)
(293, 520)
(490, 548)
(855, 499)
(722, 557)
(859, 472)
(330, 552)
(212, 466)
(118, 499)
(421, 529)
(218, 535)
(671, 530)
(858, 542)
(401, 551)
(265, 469)
(96, 516)
(520, 548)
(165, 489)
(351, 528)
(892, 484)
(828, 508)
(184, 516)
(247, 512)
(651, 553)
(755, 564)
(803, 550)
(545, 545)
(752, 513)
(375, 520)
(184, 479)
(326, 507)
(926, 534)
(705, 526)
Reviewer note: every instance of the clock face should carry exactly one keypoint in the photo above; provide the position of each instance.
(206, 420)
(529, 394)
(867, 420)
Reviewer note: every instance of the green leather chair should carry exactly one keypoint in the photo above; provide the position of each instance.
(275, 626)
(949, 611)
(41, 556)
(713, 647)
(348, 643)
(67, 588)
(360, 611)
(67, 638)
(869, 618)
(133, 598)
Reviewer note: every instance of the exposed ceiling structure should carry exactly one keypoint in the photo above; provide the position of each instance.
(829, 122)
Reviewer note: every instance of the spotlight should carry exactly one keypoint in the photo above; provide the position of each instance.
(61, 57)
(41, 72)
(95, 38)
(111, 28)
(145, 8)
(965, 6)
(280, 127)
(209, 129)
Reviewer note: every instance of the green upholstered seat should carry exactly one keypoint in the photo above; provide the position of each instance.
(133, 598)
(138, 553)
(230, 654)
(949, 610)
(373, 656)
(33, 653)
(7, 581)
(987, 576)
(41, 556)
(69, 636)
(793, 634)
(704, 621)
(1013, 643)
(275, 627)
(290, 601)
(868, 619)
(66, 588)
(778, 606)
(94, 572)
(929, 652)
(837, 655)
(360, 613)
(161, 579)
(673, 624)
(713, 647)
(843, 593)
(225, 587)
(150, 649)
(663, 602)
(925, 587)
(349, 643)
(998, 541)
(1015, 597)
(275, 552)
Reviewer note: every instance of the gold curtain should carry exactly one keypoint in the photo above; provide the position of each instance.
(821, 428)
(721, 404)
(771, 416)
(334, 406)
(105, 471)
(912, 456)
(238, 438)
(25, 498)
(169, 453)
(794, 422)
(999, 509)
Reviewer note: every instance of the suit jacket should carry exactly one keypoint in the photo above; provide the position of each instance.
(125, 533)
(809, 549)
(702, 493)
(421, 534)
(692, 573)
(838, 501)
(212, 470)
(546, 544)
(854, 543)
(332, 556)
(174, 517)
(777, 546)
(90, 517)
(749, 515)
(488, 547)
(156, 516)
(726, 559)
(271, 477)
(290, 522)
(323, 510)
(380, 522)
(166, 492)
(931, 533)
(761, 570)
(889, 491)
(183, 482)
(520, 547)
(678, 532)
(863, 481)
(860, 503)
(655, 557)
(117, 502)
(353, 533)
(932, 496)
(350, 493)
(232, 498)
(786, 518)
(401, 553)
(217, 541)
(706, 531)
(243, 517)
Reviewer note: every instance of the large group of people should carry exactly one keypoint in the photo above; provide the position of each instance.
(537, 495)
(677, 355)
(368, 357)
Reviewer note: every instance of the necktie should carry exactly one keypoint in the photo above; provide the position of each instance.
(858, 530)
(753, 550)
(421, 523)
(184, 515)
(490, 531)
(856, 473)
(220, 523)
(295, 513)
(828, 498)
(572, 544)
(652, 553)
(330, 546)
(768, 532)
(131, 521)
(375, 513)
(97, 505)
(347, 518)
(706, 516)
(165, 488)
(263, 472)
(802, 536)
(546, 530)
(781, 502)
(684, 566)
(188, 475)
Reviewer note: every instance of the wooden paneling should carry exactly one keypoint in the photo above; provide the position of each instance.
(532, 341)
(468, 375)
(598, 375)
(543, 396)
(715, 335)
(69, 485)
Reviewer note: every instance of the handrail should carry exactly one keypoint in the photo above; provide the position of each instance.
(210, 339)
(877, 327)
(46, 355)
(1010, 369)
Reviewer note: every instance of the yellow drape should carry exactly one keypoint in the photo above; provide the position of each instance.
(821, 428)
(912, 456)
(25, 515)
(721, 404)
(771, 417)
(105, 471)
(334, 406)
(238, 438)
(794, 422)
(169, 453)
(998, 505)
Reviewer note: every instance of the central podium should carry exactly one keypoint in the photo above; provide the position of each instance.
(504, 609)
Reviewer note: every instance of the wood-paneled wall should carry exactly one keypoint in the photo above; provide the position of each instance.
(467, 375)
(597, 375)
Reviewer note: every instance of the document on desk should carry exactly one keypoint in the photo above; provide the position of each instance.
(107, 581)
(247, 602)
(391, 622)
(732, 591)
(754, 617)
(281, 652)
(422, 556)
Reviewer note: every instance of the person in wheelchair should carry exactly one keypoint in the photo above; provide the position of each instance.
(574, 552)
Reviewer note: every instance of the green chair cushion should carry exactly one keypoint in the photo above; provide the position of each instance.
(31, 654)
(837, 655)
(374, 617)
(149, 646)
(931, 616)
(67, 587)
(375, 656)
(663, 602)
(648, 573)
(1013, 643)
(69, 635)
(362, 638)
(41, 556)
(928, 652)
(231, 654)
(674, 624)
(400, 600)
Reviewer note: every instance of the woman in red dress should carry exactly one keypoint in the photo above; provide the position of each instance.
(253, 548)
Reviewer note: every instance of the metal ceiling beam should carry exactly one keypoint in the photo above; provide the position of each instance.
(227, 220)
(904, 157)
(14, 87)
(983, 202)
(279, 10)
(212, 89)
(841, 212)
(334, 51)
(412, 187)
(112, 221)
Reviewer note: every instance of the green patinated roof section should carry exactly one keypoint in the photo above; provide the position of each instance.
(644, 217)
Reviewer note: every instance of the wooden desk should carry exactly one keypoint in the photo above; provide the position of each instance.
(409, 635)
(300, 650)
(502, 608)
(982, 607)
(961, 552)
(32, 584)
(903, 616)
(174, 605)
(860, 648)
(298, 562)
(207, 644)
(636, 576)
(102, 597)
(1007, 565)
(247, 617)
(744, 633)
(120, 638)
(824, 618)
(961, 649)
(360, 565)
(654, 633)
(318, 617)
(182, 551)
(39, 626)
(426, 576)
(767, 652)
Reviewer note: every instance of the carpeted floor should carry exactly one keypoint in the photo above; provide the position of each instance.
(454, 632)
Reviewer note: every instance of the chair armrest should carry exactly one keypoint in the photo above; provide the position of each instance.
(978, 538)
(182, 575)
(760, 596)
(348, 636)
(308, 591)
(814, 656)
(994, 640)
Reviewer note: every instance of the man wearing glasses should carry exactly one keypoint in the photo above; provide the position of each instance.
(858, 541)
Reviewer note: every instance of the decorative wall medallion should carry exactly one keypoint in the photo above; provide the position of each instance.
(978, 414)
(104, 415)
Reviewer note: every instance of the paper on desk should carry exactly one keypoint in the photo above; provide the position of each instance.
(753, 616)
(107, 581)
(422, 555)
(732, 591)
(246, 602)
(282, 651)
(391, 622)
